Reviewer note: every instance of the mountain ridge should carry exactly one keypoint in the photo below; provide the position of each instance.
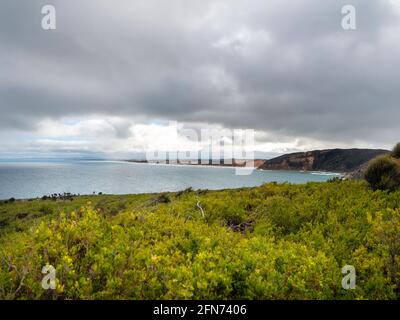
(333, 160)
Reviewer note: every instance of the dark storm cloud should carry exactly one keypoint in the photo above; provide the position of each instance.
(285, 67)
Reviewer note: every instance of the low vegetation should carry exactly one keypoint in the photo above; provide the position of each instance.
(396, 151)
(276, 241)
(383, 173)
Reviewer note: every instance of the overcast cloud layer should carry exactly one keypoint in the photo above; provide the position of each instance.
(114, 72)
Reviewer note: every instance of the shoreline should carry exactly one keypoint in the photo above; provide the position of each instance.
(342, 174)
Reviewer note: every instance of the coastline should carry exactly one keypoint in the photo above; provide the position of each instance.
(237, 165)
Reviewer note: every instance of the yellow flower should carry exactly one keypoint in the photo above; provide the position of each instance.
(67, 259)
(60, 288)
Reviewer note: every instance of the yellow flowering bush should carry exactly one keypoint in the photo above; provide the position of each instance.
(277, 241)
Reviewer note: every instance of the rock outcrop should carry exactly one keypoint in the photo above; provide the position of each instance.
(333, 160)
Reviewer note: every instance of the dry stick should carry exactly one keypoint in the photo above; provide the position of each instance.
(188, 217)
(21, 283)
(201, 209)
(21, 275)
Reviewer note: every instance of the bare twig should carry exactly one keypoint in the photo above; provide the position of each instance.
(200, 208)
(188, 217)
(21, 275)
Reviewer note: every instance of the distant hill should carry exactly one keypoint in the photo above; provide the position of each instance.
(334, 160)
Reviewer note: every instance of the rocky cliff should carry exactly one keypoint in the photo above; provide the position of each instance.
(334, 160)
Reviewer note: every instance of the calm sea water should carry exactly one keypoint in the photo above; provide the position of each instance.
(35, 179)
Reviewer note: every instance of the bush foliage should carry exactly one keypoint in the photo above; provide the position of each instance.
(396, 151)
(383, 173)
(277, 241)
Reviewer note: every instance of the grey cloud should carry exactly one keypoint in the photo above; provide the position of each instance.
(285, 67)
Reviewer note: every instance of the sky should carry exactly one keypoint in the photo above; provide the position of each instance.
(113, 75)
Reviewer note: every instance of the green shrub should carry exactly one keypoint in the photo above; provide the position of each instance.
(163, 198)
(386, 228)
(46, 209)
(335, 180)
(383, 173)
(303, 235)
(396, 151)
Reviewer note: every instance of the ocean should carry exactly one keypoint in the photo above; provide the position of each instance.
(23, 180)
